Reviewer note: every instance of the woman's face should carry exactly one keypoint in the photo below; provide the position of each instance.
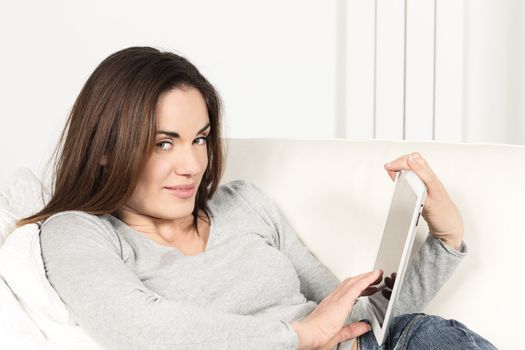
(179, 157)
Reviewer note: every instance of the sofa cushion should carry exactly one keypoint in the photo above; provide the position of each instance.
(22, 268)
(20, 196)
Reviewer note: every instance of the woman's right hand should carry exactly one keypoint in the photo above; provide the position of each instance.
(323, 327)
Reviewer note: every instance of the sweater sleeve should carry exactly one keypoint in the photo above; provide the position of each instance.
(426, 273)
(82, 260)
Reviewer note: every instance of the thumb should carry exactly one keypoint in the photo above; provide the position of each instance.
(351, 331)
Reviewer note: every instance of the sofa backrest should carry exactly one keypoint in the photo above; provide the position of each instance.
(336, 193)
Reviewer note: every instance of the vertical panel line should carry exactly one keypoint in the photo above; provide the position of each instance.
(434, 76)
(340, 70)
(375, 69)
(404, 71)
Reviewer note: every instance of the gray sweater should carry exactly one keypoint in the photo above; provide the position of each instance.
(242, 292)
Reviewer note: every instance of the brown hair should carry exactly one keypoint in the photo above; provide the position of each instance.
(114, 119)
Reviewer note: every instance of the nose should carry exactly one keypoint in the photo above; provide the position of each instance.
(188, 161)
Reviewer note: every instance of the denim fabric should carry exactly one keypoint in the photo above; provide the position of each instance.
(419, 331)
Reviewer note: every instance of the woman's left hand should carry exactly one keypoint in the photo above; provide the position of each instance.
(440, 212)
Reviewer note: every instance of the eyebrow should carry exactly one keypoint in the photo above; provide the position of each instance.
(176, 135)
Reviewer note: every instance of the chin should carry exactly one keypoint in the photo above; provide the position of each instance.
(180, 212)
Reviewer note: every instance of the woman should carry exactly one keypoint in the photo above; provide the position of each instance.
(149, 252)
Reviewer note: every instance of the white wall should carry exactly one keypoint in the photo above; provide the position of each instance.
(273, 62)
(404, 71)
(495, 72)
(343, 68)
(444, 70)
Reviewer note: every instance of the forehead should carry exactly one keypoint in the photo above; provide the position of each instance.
(181, 109)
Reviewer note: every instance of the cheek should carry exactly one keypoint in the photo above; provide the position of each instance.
(158, 173)
(204, 161)
(151, 180)
(142, 193)
(155, 172)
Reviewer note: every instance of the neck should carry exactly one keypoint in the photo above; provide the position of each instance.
(170, 231)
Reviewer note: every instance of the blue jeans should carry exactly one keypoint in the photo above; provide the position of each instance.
(420, 331)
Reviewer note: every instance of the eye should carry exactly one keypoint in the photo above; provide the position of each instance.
(166, 145)
(162, 144)
(204, 140)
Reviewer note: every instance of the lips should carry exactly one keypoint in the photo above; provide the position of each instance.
(181, 191)
(181, 187)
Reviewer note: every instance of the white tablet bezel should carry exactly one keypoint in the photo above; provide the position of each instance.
(420, 190)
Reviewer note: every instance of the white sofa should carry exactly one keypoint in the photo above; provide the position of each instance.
(336, 193)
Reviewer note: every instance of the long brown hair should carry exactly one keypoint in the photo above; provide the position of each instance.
(110, 133)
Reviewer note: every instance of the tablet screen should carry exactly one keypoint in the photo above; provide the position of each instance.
(397, 225)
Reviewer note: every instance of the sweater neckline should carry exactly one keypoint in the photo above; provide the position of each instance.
(152, 243)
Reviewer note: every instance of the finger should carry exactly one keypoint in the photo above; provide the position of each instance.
(354, 286)
(391, 173)
(353, 330)
(415, 162)
(403, 162)
(369, 291)
(386, 293)
(423, 170)
(389, 281)
(396, 165)
(378, 280)
(368, 279)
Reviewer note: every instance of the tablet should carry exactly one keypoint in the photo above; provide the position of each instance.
(396, 245)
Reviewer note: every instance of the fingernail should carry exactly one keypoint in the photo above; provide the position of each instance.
(387, 165)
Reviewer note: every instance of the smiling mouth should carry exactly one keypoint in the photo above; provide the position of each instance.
(181, 192)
